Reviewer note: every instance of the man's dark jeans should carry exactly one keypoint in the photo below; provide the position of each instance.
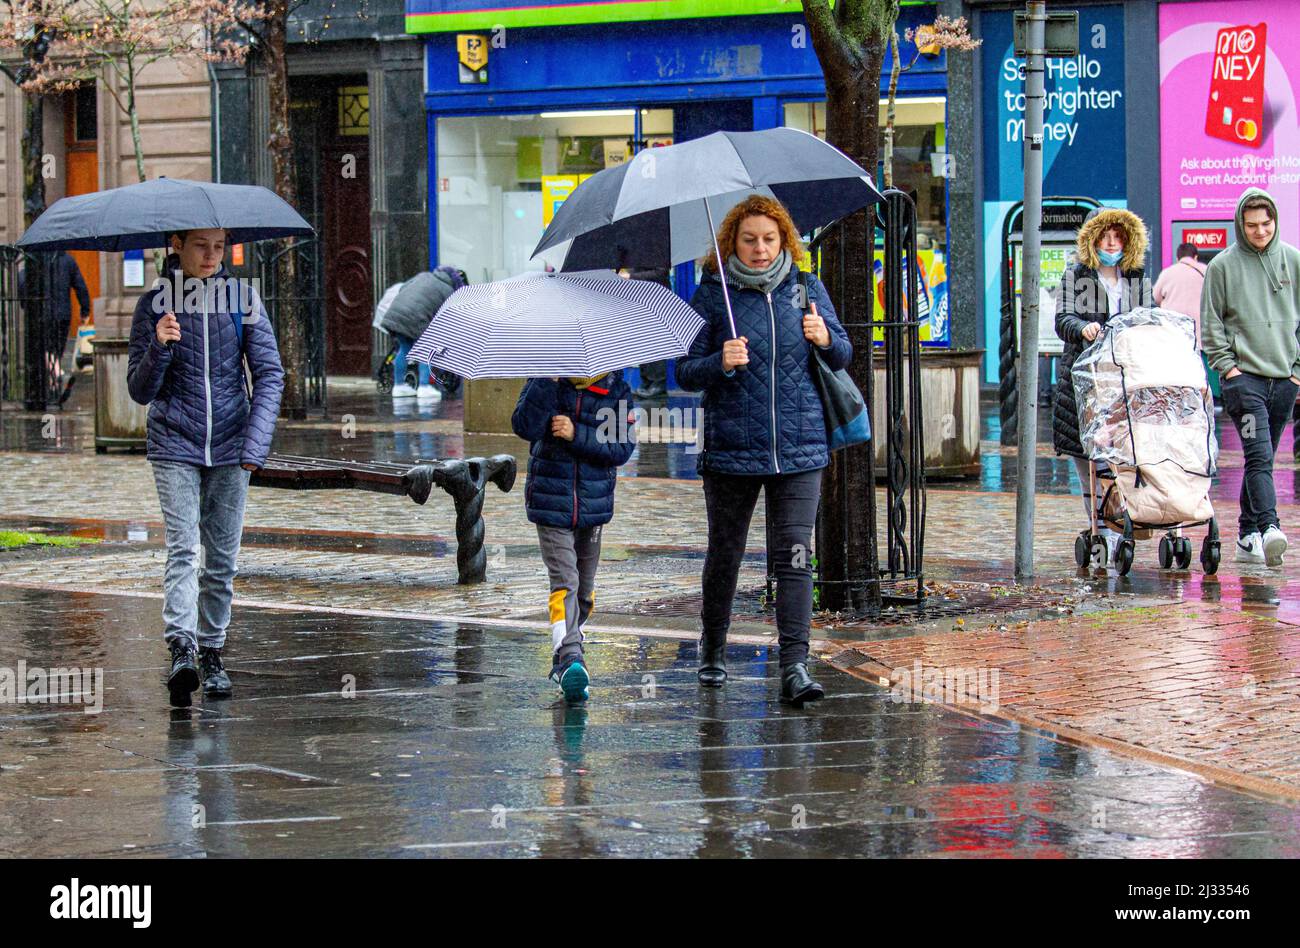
(730, 501)
(1260, 408)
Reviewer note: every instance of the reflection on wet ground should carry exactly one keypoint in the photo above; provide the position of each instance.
(451, 743)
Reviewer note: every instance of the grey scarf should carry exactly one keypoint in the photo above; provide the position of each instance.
(765, 281)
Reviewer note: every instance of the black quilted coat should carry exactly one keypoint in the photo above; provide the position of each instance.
(766, 417)
(198, 410)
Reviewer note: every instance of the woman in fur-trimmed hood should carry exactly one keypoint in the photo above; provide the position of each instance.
(1107, 279)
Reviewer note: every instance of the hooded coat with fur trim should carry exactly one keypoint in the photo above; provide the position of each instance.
(1081, 299)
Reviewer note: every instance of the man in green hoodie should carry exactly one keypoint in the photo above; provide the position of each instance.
(1250, 326)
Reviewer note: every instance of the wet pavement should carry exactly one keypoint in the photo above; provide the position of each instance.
(1152, 714)
(453, 745)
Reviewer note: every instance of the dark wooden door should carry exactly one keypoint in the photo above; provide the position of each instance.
(349, 296)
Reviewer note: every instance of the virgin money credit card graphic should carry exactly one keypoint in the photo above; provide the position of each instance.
(1236, 109)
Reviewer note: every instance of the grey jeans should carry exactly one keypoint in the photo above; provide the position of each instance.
(203, 509)
(571, 558)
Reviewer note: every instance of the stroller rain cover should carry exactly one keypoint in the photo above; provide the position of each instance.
(1145, 409)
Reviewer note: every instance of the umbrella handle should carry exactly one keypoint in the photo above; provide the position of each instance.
(717, 255)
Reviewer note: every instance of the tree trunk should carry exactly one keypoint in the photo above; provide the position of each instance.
(33, 151)
(134, 115)
(290, 322)
(851, 65)
(891, 109)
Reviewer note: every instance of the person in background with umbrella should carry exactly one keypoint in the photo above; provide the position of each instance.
(573, 426)
(763, 425)
(206, 434)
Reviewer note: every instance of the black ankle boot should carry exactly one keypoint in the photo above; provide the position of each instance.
(184, 676)
(216, 682)
(713, 663)
(797, 685)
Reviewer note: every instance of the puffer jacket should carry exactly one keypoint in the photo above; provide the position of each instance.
(571, 483)
(199, 412)
(766, 417)
(411, 311)
(1081, 299)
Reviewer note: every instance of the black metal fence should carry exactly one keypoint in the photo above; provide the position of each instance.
(30, 343)
(305, 297)
(899, 580)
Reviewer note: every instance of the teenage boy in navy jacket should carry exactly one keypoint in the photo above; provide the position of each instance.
(191, 336)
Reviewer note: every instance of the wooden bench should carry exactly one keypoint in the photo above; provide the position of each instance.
(465, 480)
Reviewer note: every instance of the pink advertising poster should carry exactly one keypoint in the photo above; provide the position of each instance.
(1227, 117)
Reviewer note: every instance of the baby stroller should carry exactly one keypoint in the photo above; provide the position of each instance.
(1146, 411)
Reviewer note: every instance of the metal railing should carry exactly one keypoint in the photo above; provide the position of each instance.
(306, 296)
(869, 585)
(29, 350)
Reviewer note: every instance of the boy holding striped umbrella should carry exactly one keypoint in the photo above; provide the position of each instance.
(577, 446)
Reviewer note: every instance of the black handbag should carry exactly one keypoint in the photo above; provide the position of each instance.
(845, 410)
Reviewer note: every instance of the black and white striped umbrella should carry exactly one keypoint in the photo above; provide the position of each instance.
(557, 324)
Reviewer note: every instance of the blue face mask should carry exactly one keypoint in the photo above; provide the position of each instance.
(1109, 257)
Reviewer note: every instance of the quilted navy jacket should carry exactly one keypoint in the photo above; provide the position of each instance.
(571, 483)
(199, 412)
(765, 417)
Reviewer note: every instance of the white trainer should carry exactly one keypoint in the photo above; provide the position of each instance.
(427, 393)
(1250, 549)
(1274, 544)
(403, 391)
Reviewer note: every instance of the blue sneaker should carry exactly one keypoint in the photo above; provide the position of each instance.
(574, 680)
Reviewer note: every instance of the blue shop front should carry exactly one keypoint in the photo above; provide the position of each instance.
(523, 102)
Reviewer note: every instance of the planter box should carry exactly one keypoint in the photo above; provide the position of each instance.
(950, 400)
(489, 403)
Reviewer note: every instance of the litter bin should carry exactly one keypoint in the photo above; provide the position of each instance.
(119, 421)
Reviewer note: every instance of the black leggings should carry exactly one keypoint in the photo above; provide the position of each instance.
(730, 501)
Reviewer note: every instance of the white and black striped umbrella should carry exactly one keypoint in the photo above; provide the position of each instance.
(557, 324)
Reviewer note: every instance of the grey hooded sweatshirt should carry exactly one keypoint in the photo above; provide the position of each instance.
(1250, 308)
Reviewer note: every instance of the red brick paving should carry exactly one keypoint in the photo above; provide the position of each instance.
(1193, 685)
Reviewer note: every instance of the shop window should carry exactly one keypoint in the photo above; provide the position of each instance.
(500, 178)
(918, 155)
(354, 110)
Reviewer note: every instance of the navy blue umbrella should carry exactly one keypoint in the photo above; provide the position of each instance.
(140, 216)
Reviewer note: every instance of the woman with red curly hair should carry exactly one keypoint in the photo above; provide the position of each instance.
(763, 425)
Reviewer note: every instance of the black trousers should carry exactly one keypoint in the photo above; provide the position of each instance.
(730, 501)
(1260, 408)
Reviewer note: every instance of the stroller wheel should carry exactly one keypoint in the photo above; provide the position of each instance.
(1210, 556)
(1183, 553)
(1082, 549)
(1124, 556)
(1166, 551)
